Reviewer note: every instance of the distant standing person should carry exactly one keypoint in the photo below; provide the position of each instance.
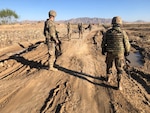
(80, 28)
(90, 27)
(51, 39)
(69, 30)
(116, 44)
(95, 37)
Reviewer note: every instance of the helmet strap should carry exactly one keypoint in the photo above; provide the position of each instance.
(116, 25)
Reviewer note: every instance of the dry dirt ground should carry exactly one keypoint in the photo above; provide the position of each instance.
(26, 86)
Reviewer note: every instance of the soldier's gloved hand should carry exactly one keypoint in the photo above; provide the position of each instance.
(126, 53)
(103, 51)
(46, 40)
(57, 42)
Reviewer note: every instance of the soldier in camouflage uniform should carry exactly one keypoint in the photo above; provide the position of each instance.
(69, 30)
(116, 44)
(51, 39)
(95, 37)
(90, 27)
(80, 28)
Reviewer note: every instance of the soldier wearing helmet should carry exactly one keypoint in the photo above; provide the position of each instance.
(51, 39)
(80, 28)
(117, 21)
(116, 44)
(52, 13)
(69, 30)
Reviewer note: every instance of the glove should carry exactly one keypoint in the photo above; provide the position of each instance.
(126, 53)
(57, 41)
(46, 40)
(103, 51)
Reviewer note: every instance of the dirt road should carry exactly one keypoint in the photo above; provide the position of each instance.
(26, 86)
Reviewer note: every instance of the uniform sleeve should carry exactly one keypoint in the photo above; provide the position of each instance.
(126, 42)
(103, 44)
(45, 32)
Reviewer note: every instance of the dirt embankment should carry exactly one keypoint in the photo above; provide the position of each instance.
(26, 86)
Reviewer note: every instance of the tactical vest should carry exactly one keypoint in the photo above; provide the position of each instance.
(114, 41)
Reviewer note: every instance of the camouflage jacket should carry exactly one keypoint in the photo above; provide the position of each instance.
(80, 27)
(68, 26)
(116, 41)
(50, 30)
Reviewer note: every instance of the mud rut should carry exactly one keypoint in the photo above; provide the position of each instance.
(26, 86)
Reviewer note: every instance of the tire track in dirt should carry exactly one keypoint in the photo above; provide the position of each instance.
(16, 70)
(22, 65)
(36, 90)
(7, 98)
(35, 55)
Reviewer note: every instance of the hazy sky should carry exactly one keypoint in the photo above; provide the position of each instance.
(129, 10)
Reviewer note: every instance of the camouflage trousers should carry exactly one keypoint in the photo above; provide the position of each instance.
(51, 51)
(69, 33)
(118, 59)
(80, 34)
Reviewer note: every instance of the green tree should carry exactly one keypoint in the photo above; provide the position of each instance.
(7, 16)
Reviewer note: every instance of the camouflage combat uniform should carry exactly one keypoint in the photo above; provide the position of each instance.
(90, 27)
(51, 41)
(115, 42)
(95, 37)
(80, 28)
(69, 30)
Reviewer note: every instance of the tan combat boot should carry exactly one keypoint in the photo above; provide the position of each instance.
(109, 77)
(119, 83)
(51, 68)
(119, 86)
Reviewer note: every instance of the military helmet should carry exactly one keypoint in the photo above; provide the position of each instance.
(117, 20)
(52, 13)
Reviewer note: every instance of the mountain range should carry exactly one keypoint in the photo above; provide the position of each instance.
(86, 20)
(95, 20)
